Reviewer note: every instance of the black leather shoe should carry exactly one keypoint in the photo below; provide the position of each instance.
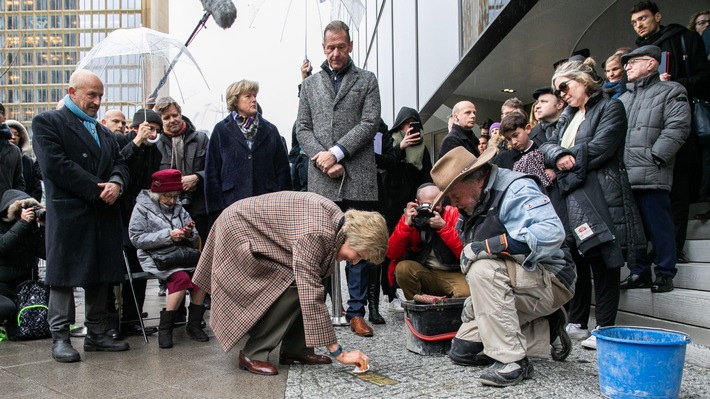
(63, 352)
(467, 353)
(681, 257)
(662, 284)
(635, 281)
(114, 334)
(135, 329)
(507, 374)
(102, 342)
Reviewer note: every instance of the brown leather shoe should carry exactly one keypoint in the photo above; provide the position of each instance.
(288, 358)
(256, 366)
(360, 326)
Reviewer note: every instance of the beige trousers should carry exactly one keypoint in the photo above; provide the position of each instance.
(509, 303)
(414, 278)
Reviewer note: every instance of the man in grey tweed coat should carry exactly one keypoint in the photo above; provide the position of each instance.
(338, 116)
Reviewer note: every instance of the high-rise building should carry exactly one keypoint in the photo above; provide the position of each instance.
(41, 42)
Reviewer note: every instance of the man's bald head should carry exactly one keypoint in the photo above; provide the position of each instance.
(464, 113)
(86, 91)
(115, 121)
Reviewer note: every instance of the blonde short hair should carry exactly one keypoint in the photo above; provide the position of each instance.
(367, 232)
(235, 89)
(582, 72)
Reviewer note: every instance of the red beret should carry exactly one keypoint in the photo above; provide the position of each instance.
(167, 180)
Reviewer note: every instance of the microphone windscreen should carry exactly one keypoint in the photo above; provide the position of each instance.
(224, 12)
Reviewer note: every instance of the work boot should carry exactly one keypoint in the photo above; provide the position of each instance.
(373, 295)
(468, 353)
(559, 339)
(194, 323)
(103, 343)
(63, 352)
(165, 328)
(507, 374)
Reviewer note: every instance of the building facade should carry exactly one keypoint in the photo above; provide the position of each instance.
(41, 42)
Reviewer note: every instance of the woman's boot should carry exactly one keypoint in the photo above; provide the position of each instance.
(373, 295)
(165, 329)
(194, 323)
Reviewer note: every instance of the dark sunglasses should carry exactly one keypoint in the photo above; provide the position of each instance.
(563, 87)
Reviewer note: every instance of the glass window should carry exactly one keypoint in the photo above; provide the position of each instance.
(99, 21)
(28, 95)
(85, 39)
(70, 21)
(40, 4)
(42, 95)
(28, 77)
(41, 77)
(27, 5)
(28, 57)
(12, 22)
(70, 5)
(55, 95)
(70, 39)
(113, 21)
(56, 76)
(85, 5)
(85, 21)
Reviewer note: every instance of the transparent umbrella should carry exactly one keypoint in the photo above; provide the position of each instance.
(209, 114)
(137, 64)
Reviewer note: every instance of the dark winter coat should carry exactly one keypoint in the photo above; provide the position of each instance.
(659, 123)
(598, 175)
(83, 232)
(234, 171)
(459, 137)
(10, 167)
(33, 184)
(195, 151)
(142, 162)
(20, 241)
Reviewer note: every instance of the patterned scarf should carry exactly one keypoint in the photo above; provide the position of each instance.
(88, 121)
(177, 158)
(249, 126)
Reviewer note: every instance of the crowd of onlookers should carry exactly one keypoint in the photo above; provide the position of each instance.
(615, 153)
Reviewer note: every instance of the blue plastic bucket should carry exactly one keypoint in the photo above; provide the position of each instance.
(640, 362)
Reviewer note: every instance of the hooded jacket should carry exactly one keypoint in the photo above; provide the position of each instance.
(33, 184)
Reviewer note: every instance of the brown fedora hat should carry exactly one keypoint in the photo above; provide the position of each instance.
(454, 166)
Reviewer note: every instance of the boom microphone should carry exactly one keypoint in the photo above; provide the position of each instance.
(224, 12)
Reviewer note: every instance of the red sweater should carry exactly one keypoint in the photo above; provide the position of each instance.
(406, 238)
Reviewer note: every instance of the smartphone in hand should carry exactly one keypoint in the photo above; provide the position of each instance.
(416, 127)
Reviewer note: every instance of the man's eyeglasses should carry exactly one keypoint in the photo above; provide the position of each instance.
(563, 87)
(635, 60)
(702, 22)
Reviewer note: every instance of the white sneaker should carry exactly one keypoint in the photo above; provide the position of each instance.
(395, 306)
(575, 331)
(590, 343)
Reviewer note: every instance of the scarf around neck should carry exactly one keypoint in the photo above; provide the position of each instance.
(88, 121)
(413, 154)
(177, 158)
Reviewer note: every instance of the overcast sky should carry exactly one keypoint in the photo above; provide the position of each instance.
(253, 52)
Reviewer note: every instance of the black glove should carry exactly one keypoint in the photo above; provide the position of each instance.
(486, 249)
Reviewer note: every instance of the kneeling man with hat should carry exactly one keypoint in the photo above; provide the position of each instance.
(513, 261)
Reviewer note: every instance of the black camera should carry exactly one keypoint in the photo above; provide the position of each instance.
(40, 213)
(424, 213)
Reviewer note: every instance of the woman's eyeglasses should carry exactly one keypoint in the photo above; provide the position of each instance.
(170, 197)
(563, 87)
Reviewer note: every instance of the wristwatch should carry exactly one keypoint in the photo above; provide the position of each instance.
(337, 352)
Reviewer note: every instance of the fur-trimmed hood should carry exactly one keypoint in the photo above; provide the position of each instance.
(12, 203)
(24, 143)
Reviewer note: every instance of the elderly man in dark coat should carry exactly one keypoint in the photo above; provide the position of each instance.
(84, 174)
(265, 270)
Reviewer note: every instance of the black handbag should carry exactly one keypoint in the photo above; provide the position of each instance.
(174, 257)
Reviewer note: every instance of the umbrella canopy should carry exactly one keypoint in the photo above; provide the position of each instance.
(137, 63)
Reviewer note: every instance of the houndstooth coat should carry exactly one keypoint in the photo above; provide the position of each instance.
(257, 248)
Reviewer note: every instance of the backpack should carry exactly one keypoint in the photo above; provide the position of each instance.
(31, 301)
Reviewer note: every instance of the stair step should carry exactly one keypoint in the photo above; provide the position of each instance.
(698, 250)
(698, 230)
(680, 305)
(692, 276)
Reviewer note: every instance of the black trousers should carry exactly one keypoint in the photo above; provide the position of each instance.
(606, 290)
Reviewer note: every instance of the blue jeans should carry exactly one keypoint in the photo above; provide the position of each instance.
(357, 276)
(655, 209)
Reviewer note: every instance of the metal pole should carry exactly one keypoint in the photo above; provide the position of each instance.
(336, 298)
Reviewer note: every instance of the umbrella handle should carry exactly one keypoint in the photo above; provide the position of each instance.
(155, 140)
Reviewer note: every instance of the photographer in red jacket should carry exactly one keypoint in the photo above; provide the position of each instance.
(425, 249)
